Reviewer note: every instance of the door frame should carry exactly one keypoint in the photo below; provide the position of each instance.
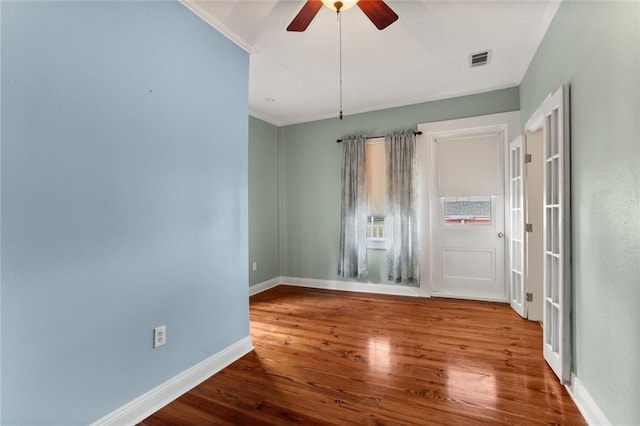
(508, 125)
(560, 361)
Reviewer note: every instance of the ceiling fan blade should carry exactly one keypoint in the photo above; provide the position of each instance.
(305, 16)
(378, 12)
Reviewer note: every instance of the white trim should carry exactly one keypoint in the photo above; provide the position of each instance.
(469, 297)
(397, 290)
(401, 103)
(376, 243)
(585, 403)
(263, 117)
(202, 13)
(150, 402)
(538, 36)
(264, 286)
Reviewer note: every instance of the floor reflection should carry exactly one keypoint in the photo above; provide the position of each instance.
(380, 354)
(472, 386)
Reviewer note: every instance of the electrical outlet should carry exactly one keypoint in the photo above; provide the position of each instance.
(254, 266)
(159, 336)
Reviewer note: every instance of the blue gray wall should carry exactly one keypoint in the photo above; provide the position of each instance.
(0, 212)
(124, 202)
(595, 47)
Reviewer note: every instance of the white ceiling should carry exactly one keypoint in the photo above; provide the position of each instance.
(424, 56)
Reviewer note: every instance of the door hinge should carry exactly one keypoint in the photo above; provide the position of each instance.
(529, 297)
(528, 227)
(527, 158)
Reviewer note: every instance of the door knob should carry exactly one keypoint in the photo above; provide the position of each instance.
(500, 234)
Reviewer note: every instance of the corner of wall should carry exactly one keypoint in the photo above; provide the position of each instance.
(264, 286)
(585, 403)
(160, 396)
(280, 201)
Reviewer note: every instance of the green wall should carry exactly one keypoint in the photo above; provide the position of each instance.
(263, 201)
(310, 163)
(294, 184)
(595, 47)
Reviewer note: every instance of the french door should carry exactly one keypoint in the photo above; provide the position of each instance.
(556, 240)
(516, 239)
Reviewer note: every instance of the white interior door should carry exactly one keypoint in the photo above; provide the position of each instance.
(557, 271)
(468, 242)
(516, 235)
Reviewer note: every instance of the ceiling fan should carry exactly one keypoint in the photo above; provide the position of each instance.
(376, 10)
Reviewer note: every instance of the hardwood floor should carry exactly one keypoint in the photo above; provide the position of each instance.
(327, 357)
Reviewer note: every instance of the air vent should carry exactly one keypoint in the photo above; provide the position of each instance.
(479, 58)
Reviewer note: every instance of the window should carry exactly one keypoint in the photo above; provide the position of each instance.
(467, 210)
(375, 227)
(376, 192)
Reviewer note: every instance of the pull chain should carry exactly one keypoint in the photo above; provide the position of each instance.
(340, 33)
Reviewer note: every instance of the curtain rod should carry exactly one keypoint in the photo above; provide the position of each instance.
(378, 137)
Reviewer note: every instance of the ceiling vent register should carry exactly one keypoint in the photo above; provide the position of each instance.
(480, 58)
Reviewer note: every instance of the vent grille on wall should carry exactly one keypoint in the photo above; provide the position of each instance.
(479, 58)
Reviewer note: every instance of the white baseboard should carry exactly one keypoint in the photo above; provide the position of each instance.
(469, 297)
(585, 403)
(398, 290)
(147, 404)
(264, 286)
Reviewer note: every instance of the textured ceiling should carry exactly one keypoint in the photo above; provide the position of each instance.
(294, 77)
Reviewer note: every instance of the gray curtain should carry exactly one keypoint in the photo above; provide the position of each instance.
(401, 221)
(353, 224)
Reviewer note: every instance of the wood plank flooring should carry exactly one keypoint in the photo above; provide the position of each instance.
(326, 357)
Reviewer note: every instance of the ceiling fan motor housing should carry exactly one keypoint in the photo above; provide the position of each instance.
(339, 5)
